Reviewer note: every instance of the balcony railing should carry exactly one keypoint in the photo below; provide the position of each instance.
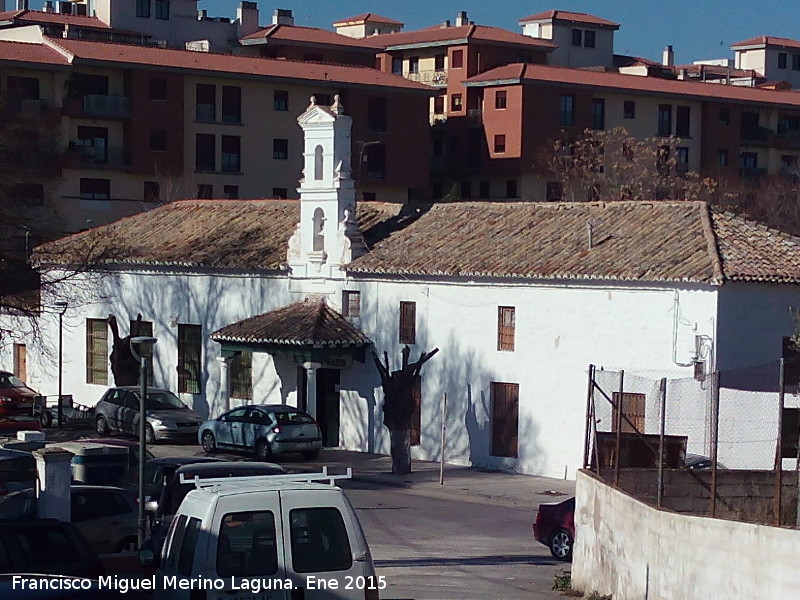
(429, 77)
(103, 157)
(106, 106)
(756, 135)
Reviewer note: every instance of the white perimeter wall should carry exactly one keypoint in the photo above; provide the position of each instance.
(628, 549)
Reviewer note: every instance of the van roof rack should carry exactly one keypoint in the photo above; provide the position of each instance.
(320, 477)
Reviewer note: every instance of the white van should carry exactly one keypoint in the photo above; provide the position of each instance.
(281, 537)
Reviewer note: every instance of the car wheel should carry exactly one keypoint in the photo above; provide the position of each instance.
(263, 451)
(102, 426)
(561, 544)
(45, 419)
(311, 454)
(209, 443)
(149, 434)
(129, 544)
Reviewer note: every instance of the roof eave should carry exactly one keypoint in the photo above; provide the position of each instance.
(491, 82)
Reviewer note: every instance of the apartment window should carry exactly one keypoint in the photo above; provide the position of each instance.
(629, 109)
(788, 123)
(748, 160)
(280, 149)
(152, 191)
(189, 358)
(505, 418)
(158, 140)
(408, 322)
(511, 188)
(95, 189)
(231, 104)
(796, 62)
(682, 158)
(438, 105)
(158, 88)
(598, 113)
(376, 162)
(722, 158)
(92, 143)
(413, 64)
(162, 9)
(483, 189)
(588, 39)
(458, 59)
(205, 152)
(281, 193)
(724, 116)
(466, 189)
(781, 60)
(97, 351)
(456, 103)
(241, 374)
(567, 116)
(577, 37)
(633, 412)
(231, 192)
(397, 66)
(438, 62)
(500, 99)
(664, 119)
(377, 114)
(206, 107)
(553, 191)
(143, 8)
(505, 328)
(205, 191)
(280, 100)
(682, 116)
(351, 303)
(499, 144)
(231, 154)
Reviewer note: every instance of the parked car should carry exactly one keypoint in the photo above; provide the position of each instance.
(46, 546)
(16, 398)
(555, 527)
(167, 417)
(265, 429)
(106, 516)
(697, 462)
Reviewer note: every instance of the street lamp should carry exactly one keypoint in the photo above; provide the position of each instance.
(61, 307)
(144, 345)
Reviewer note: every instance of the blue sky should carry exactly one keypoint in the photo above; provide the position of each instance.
(696, 29)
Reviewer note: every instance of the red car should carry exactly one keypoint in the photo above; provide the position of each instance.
(555, 527)
(16, 398)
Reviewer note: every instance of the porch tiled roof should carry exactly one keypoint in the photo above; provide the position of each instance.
(307, 323)
(30, 53)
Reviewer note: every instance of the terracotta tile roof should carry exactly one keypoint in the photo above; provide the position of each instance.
(35, 16)
(364, 17)
(570, 17)
(717, 70)
(517, 73)
(240, 234)
(309, 35)
(30, 53)
(236, 65)
(307, 323)
(457, 34)
(768, 40)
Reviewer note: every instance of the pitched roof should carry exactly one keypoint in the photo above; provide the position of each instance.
(308, 35)
(35, 16)
(164, 58)
(459, 34)
(309, 322)
(768, 40)
(570, 17)
(24, 52)
(364, 17)
(528, 73)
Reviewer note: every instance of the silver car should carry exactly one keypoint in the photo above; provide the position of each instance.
(265, 429)
(167, 417)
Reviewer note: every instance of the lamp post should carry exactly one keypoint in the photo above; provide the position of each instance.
(61, 307)
(144, 344)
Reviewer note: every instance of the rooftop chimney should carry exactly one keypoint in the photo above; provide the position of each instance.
(445, 24)
(48, 7)
(461, 19)
(247, 18)
(282, 16)
(668, 59)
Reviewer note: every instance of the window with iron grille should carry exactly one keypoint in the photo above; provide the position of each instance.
(408, 322)
(97, 351)
(506, 317)
(241, 373)
(505, 419)
(189, 358)
(351, 303)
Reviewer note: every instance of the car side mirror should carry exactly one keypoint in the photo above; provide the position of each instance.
(360, 556)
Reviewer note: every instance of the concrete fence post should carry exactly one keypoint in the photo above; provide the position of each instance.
(54, 477)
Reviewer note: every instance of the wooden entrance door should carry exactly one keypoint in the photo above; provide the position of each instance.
(328, 405)
(21, 362)
(505, 419)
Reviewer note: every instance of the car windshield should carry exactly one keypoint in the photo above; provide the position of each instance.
(7, 380)
(293, 418)
(164, 401)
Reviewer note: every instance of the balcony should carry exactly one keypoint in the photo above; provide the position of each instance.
(88, 157)
(433, 77)
(756, 136)
(97, 105)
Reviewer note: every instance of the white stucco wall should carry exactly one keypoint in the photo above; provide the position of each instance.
(626, 548)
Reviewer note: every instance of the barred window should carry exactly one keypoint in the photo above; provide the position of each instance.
(241, 372)
(189, 358)
(505, 327)
(97, 351)
(408, 322)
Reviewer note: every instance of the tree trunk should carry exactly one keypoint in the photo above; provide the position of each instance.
(400, 440)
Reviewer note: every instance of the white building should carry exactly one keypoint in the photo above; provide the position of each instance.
(276, 301)
(774, 58)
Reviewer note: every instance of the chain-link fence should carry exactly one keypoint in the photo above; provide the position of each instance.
(710, 444)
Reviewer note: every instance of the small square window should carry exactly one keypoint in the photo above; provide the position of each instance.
(351, 303)
(205, 191)
(281, 193)
(280, 100)
(280, 149)
(499, 143)
(231, 192)
(500, 99)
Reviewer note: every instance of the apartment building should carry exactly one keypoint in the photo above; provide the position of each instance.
(774, 58)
